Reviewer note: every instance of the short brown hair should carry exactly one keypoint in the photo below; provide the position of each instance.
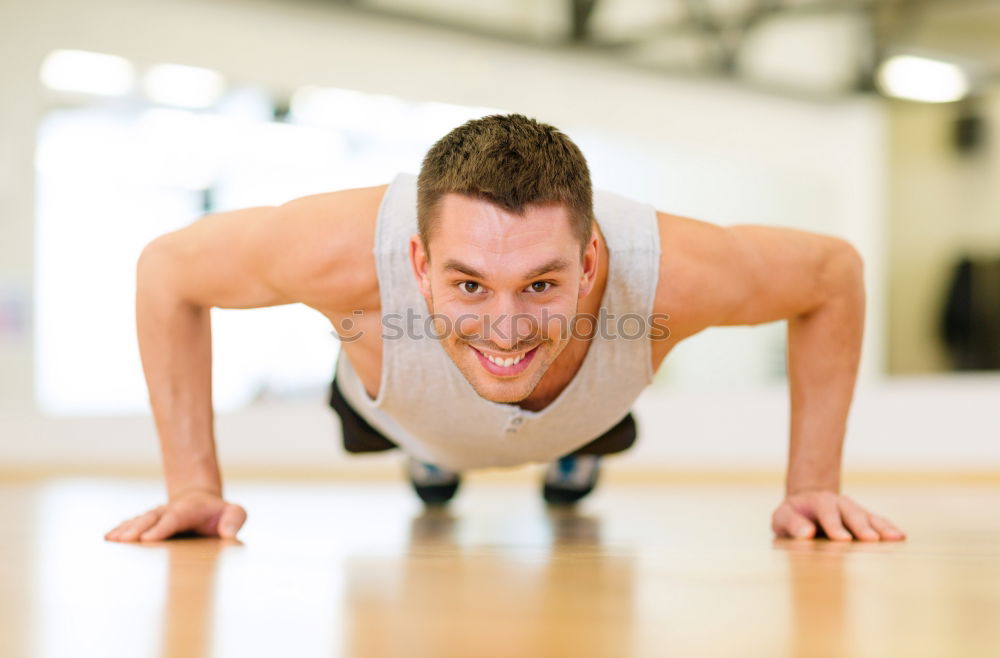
(509, 160)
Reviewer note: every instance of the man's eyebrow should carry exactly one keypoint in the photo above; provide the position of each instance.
(452, 265)
(554, 265)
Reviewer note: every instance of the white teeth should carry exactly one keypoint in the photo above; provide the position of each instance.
(504, 363)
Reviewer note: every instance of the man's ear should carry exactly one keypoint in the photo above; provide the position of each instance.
(421, 262)
(591, 260)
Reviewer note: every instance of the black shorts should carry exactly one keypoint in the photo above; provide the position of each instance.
(359, 436)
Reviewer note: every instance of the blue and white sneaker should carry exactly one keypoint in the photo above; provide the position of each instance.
(569, 479)
(434, 485)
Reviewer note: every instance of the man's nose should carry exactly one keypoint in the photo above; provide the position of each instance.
(507, 324)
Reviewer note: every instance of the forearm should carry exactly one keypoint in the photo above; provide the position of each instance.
(824, 348)
(175, 347)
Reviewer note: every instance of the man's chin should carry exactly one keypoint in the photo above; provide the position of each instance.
(513, 399)
(502, 390)
(505, 391)
(502, 393)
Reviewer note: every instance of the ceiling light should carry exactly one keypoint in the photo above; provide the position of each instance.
(183, 86)
(87, 72)
(922, 79)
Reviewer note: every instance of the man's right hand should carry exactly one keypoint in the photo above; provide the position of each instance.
(198, 511)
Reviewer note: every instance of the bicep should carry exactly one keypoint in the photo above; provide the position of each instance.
(791, 272)
(744, 275)
(216, 261)
(315, 250)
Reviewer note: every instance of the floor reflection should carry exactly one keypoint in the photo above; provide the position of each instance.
(458, 592)
(189, 611)
(818, 595)
(19, 505)
(358, 570)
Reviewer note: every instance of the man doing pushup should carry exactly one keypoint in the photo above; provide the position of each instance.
(495, 310)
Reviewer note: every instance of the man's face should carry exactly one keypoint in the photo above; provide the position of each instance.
(504, 290)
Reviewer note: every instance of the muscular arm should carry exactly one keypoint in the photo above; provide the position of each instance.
(310, 250)
(747, 275)
(816, 284)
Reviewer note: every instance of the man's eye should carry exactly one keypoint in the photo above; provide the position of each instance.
(470, 286)
(540, 286)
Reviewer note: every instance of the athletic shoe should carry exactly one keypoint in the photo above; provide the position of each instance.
(569, 479)
(434, 485)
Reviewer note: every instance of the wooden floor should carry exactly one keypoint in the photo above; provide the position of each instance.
(355, 569)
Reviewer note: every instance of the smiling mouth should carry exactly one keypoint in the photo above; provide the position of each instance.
(505, 366)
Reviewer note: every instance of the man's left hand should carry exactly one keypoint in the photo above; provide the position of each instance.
(805, 514)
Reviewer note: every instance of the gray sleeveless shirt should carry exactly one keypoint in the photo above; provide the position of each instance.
(427, 407)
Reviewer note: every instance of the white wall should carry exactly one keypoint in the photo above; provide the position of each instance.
(902, 425)
(719, 152)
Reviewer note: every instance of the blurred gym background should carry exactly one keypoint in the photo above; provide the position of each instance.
(872, 120)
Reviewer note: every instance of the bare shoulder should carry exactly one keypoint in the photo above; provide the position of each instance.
(713, 275)
(693, 282)
(326, 244)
